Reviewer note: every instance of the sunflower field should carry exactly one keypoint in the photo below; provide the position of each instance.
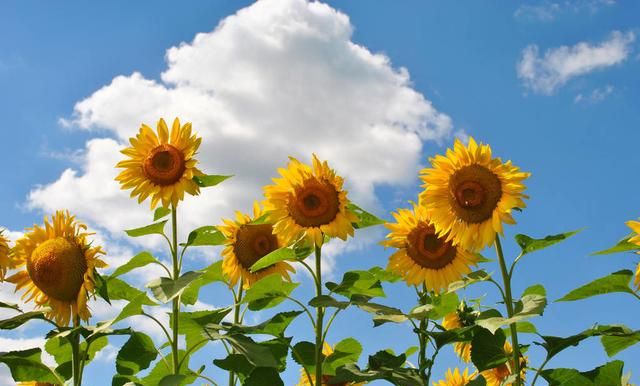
(444, 241)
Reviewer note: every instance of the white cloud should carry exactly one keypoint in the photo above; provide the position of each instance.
(596, 96)
(547, 11)
(558, 65)
(278, 78)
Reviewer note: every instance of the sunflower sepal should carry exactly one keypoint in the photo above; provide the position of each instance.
(209, 180)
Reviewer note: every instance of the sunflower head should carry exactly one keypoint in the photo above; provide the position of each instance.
(470, 194)
(497, 375)
(309, 201)
(247, 242)
(57, 267)
(33, 383)
(304, 379)
(161, 165)
(456, 378)
(464, 316)
(422, 255)
(6, 261)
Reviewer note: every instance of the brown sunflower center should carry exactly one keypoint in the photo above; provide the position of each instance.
(57, 268)
(164, 165)
(314, 203)
(428, 250)
(475, 193)
(327, 378)
(253, 242)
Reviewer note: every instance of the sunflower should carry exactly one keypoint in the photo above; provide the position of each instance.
(497, 375)
(5, 256)
(246, 244)
(58, 265)
(635, 226)
(309, 201)
(455, 378)
(464, 316)
(33, 383)
(161, 166)
(423, 256)
(471, 194)
(304, 379)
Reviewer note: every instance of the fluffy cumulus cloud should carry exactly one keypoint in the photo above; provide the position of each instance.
(545, 74)
(278, 78)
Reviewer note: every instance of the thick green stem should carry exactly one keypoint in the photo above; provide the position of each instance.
(236, 320)
(75, 354)
(319, 318)
(176, 300)
(509, 303)
(422, 339)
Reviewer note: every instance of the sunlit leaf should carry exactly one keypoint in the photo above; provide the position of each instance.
(528, 244)
(615, 282)
(160, 213)
(487, 349)
(26, 365)
(613, 344)
(153, 229)
(209, 180)
(365, 219)
(607, 375)
(205, 236)
(362, 283)
(140, 260)
(473, 277)
(281, 254)
(136, 354)
(622, 246)
(268, 292)
(554, 344)
(20, 319)
(346, 351)
(211, 274)
(165, 289)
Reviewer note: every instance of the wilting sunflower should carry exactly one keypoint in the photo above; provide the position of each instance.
(161, 166)
(309, 201)
(58, 266)
(422, 255)
(246, 244)
(304, 379)
(635, 226)
(497, 375)
(464, 316)
(5, 256)
(455, 378)
(470, 194)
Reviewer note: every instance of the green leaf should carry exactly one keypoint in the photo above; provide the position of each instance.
(153, 229)
(263, 376)
(528, 244)
(365, 219)
(258, 355)
(383, 365)
(478, 381)
(615, 282)
(173, 380)
(281, 254)
(139, 260)
(275, 326)
(20, 319)
(160, 213)
(304, 354)
(211, 274)
(205, 236)
(554, 345)
(210, 180)
(192, 324)
(526, 328)
(381, 313)
(607, 375)
(328, 301)
(165, 289)
(136, 354)
(527, 307)
(346, 351)
(10, 305)
(160, 371)
(268, 292)
(487, 349)
(613, 344)
(385, 276)
(445, 337)
(362, 283)
(623, 246)
(120, 290)
(473, 277)
(237, 363)
(26, 365)
(442, 305)
(134, 307)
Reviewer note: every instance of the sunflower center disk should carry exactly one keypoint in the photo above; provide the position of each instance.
(475, 193)
(57, 268)
(427, 249)
(314, 203)
(164, 165)
(327, 378)
(253, 242)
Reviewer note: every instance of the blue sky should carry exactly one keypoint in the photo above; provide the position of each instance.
(572, 122)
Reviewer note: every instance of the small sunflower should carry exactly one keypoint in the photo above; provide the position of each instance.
(635, 226)
(497, 375)
(304, 379)
(423, 256)
(464, 316)
(246, 244)
(58, 265)
(455, 378)
(5, 256)
(470, 194)
(161, 166)
(309, 201)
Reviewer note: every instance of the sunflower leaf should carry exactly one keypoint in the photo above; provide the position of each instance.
(304, 354)
(528, 244)
(152, 229)
(165, 289)
(554, 344)
(257, 354)
(274, 326)
(136, 354)
(26, 365)
(615, 282)
(140, 260)
(487, 349)
(365, 219)
(622, 246)
(211, 274)
(209, 180)
(20, 319)
(161, 212)
(609, 374)
(363, 283)
(346, 351)
(273, 257)
(204, 236)
(263, 376)
(473, 277)
(192, 324)
(268, 292)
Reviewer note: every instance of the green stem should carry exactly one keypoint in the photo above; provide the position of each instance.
(535, 378)
(176, 300)
(422, 339)
(509, 303)
(319, 317)
(75, 354)
(236, 320)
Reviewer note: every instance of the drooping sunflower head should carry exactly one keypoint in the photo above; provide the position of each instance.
(456, 378)
(247, 242)
(5, 256)
(57, 267)
(423, 256)
(161, 166)
(464, 316)
(309, 201)
(470, 194)
(497, 375)
(304, 379)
